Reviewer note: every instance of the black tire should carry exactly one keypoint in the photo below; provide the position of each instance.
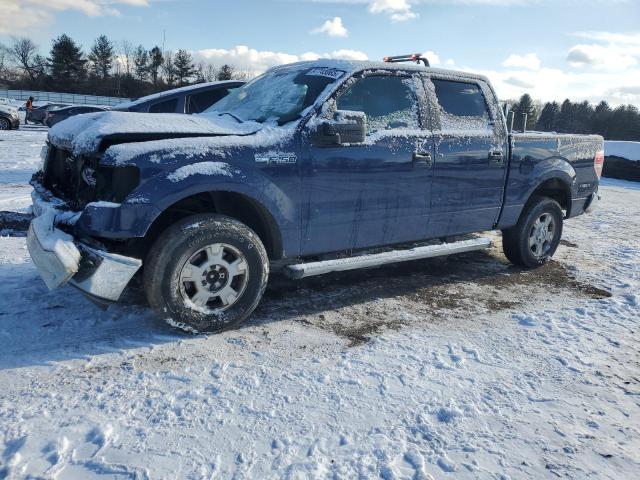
(516, 241)
(5, 124)
(176, 247)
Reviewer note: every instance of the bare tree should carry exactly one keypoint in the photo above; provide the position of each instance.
(210, 73)
(24, 53)
(169, 69)
(127, 53)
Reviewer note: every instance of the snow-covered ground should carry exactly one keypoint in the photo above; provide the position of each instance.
(449, 368)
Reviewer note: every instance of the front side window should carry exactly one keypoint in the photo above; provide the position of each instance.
(462, 105)
(168, 106)
(389, 102)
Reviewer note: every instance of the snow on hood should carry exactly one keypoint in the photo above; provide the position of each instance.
(83, 134)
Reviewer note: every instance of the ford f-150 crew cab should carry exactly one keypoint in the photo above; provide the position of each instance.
(312, 167)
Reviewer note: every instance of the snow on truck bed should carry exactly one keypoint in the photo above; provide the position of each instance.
(445, 368)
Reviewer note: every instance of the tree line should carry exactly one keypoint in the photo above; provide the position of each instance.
(107, 68)
(620, 123)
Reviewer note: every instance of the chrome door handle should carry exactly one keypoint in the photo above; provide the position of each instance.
(423, 157)
(496, 158)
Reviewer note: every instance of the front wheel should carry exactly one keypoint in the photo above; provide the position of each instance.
(206, 273)
(5, 124)
(536, 236)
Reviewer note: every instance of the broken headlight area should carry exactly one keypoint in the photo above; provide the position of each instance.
(78, 180)
(114, 183)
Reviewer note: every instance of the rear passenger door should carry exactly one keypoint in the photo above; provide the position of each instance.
(471, 156)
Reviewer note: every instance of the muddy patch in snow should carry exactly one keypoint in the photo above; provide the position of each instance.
(361, 304)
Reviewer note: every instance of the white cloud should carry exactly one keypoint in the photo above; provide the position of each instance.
(549, 84)
(18, 15)
(434, 59)
(398, 10)
(333, 28)
(257, 61)
(609, 57)
(530, 61)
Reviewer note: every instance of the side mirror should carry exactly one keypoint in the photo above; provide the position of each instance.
(346, 127)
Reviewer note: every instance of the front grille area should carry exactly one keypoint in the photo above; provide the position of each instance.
(63, 176)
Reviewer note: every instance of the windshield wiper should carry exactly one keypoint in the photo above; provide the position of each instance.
(232, 115)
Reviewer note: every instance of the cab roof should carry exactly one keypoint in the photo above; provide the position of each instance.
(355, 66)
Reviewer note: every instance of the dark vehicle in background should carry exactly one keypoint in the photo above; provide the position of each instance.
(54, 116)
(38, 114)
(313, 167)
(9, 119)
(192, 99)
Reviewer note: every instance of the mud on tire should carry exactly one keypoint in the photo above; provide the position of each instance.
(206, 273)
(536, 236)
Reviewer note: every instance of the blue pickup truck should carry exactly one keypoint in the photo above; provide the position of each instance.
(310, 168)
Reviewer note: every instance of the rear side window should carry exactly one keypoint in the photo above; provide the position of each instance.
(199, 102)
(168, 106)
(462, 105)
(389, 102)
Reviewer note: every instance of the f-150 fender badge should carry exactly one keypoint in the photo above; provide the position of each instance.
(269, 158)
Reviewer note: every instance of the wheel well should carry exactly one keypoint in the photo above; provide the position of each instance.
(557, 189)
(231, 204)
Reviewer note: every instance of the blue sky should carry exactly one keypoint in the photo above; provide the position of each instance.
(551, 48)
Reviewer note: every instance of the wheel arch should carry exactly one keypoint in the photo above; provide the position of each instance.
(556, 186)
(233, 204)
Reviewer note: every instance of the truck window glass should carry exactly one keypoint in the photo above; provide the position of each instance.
(278, 96)
(462, 105)
(389, 102)
(199, 102)
(168, 106)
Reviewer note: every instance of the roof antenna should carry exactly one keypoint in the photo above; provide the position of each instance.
(413, 57)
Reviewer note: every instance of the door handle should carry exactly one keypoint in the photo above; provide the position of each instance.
(496, 158)
(423, 157)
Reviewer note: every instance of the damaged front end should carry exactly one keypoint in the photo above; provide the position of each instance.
(62, 190)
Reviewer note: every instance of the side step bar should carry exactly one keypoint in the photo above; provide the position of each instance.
(311, 269)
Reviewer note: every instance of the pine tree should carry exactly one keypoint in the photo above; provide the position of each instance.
(548, 117)
(155, 62)
(566, 117)
(525, 106)
(226, 72)
(184, 67)
(601, 119)
(583, 116)
(101, 57)
(66, 61)
(141, 63)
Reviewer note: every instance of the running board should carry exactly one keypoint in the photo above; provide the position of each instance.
(311, 269)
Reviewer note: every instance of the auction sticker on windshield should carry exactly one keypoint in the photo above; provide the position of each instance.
(326, 72)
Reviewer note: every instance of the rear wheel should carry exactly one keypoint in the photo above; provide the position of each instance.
(535, 238)
(206, 273)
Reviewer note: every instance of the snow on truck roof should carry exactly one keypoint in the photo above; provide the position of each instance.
(354, 66)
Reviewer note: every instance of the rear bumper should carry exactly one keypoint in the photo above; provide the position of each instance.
(62, 259)
(584, 205)
(592, 202)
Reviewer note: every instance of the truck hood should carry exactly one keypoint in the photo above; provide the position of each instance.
(94, 132)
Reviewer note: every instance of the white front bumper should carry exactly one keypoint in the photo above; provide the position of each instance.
(61, 259)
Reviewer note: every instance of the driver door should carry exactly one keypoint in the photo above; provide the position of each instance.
(377, 192)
